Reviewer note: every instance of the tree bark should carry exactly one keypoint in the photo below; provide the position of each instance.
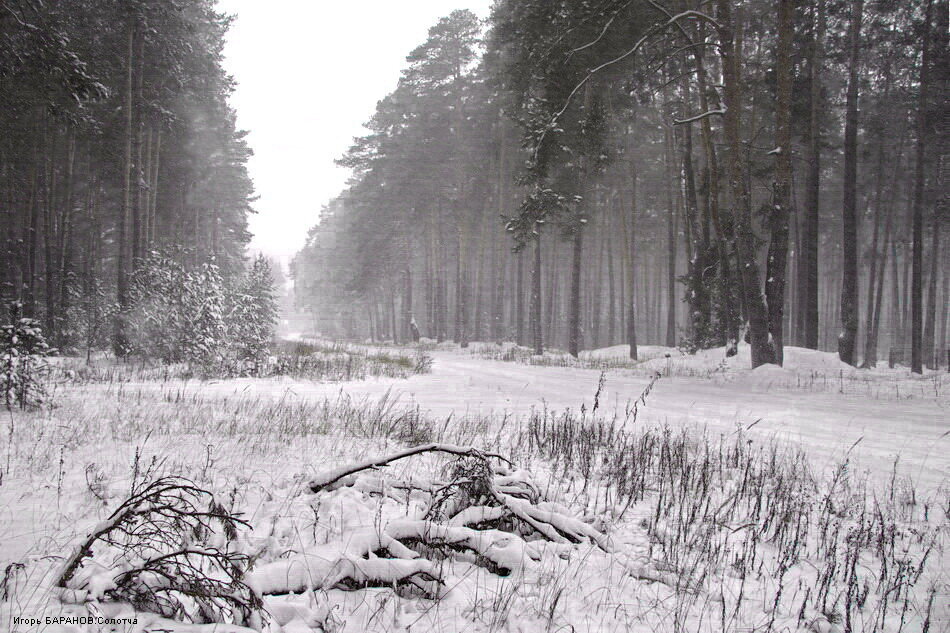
(66, 221)
(49, 229)
(537, 336)
(870, 354)
(519, 297)
(917, 302)
(138, 182)
(849, 240)
(808, 262)
(632, 261)
(671, 237)
(611, 287)
(574, 311)
(782, 205)
(943, 353)
(930, 357)
(728, 312)
(698, 295)
(879, 262)
(745, 238)
(498, 295)
(408, 316)
(119, 340)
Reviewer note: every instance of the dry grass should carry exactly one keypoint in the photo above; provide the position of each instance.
(742, 533)
(317, 361)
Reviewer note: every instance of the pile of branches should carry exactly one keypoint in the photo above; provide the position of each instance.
(485, 512)
(168, 550)
(171, 549)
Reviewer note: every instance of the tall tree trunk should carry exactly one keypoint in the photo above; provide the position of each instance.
(457, 335)
(550, 316)
(943, 352)
(379, 318)
(879, 262)
(519, 296)
(632, 262)
(66, 221)
(745, 237)
(595, 288)
(906, 307)
(728, 312)
(699, 303)
(49, 229)
(671, 236)
(872, 274)
(537, 335)
(442, 280)
(498, 263)
(152, 227)
(138, 182)
(371, 320)
(917, 296)
(782, 205)
(611, 287)
(120, 339)
(928, 349)
(498, 314)
(574, 310)
(847, 340)
(408, 316)
(808, 261)
(870, 354)
(464, 307)
(393, 330)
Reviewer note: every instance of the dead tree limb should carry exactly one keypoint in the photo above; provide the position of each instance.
(326, 480)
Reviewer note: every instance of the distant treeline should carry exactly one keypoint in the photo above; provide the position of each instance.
(583, 174)
(116, 140)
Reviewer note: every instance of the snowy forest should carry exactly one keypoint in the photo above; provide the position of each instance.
(614, 316)
(584, 174)
(121, 169)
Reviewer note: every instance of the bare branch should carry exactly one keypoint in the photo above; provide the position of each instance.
(699, 116)
(650, 33)
(327, 479)
(604, 31)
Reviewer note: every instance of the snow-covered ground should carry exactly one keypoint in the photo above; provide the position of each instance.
(255, 443)
(891, 412)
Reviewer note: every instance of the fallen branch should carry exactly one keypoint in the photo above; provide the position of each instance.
(320, 569)
(158, 542)
(327, 480)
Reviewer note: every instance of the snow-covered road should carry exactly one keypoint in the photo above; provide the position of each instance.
(825, 424)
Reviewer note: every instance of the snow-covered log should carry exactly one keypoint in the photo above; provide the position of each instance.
(387, 558)
(502, 553)
(327, 568)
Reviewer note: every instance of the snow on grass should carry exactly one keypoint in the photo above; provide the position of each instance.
(734, 499)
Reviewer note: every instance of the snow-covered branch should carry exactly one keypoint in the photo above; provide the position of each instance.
(327, 480)
(699, 117)
(673, 20)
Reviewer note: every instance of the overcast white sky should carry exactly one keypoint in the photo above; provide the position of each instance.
(309, 74)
